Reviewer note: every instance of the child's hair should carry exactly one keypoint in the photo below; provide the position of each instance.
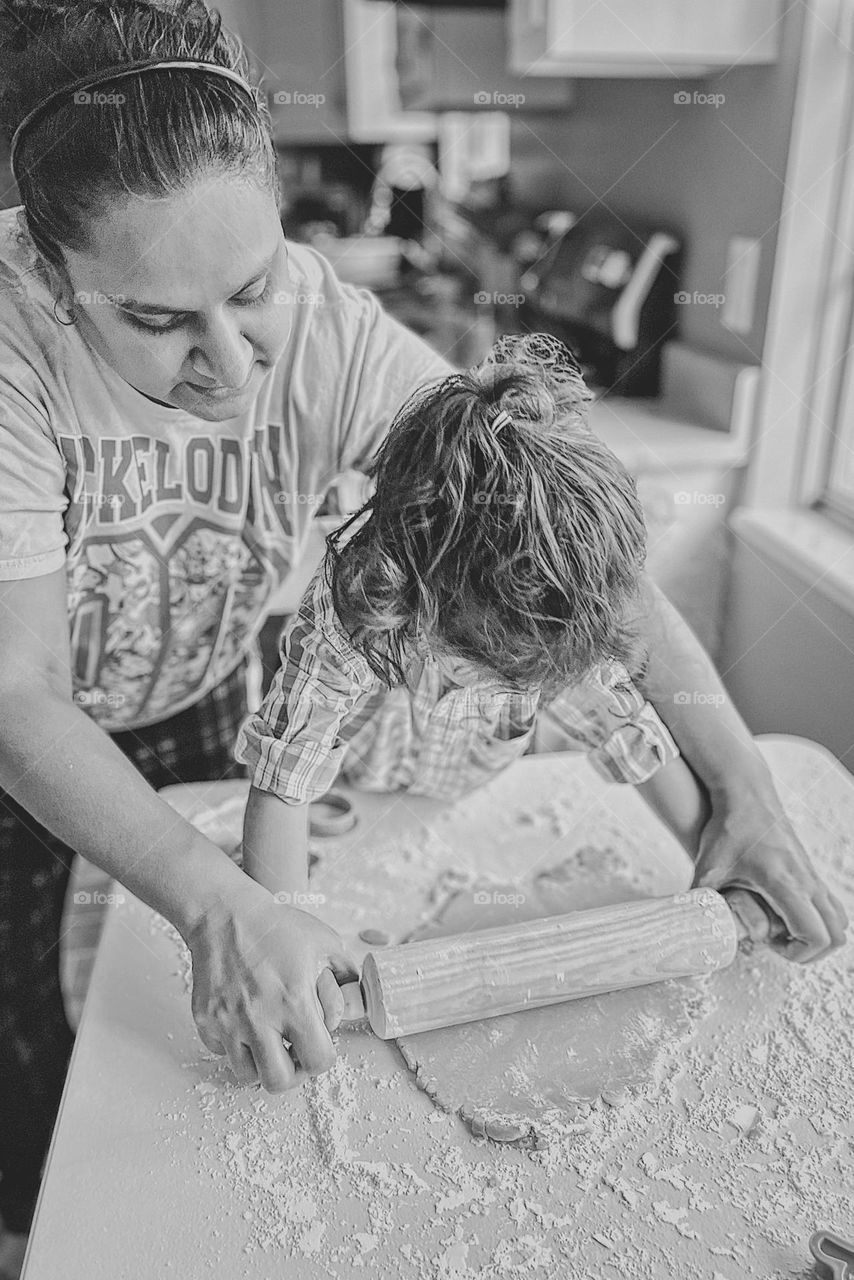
(517, 546)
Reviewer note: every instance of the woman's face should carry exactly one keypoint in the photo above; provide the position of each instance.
(186, 297)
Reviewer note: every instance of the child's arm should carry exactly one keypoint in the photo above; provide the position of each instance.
(680, 801)
(275, 843)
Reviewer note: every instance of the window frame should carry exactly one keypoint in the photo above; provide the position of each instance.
(797, 411)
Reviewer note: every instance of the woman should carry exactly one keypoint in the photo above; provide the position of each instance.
(178, 389)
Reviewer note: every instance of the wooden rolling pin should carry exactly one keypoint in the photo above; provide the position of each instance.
(439, 982)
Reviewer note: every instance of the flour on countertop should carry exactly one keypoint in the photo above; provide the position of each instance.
(741, 1145)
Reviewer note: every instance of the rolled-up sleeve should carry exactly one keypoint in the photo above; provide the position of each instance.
(605, 714)
(293, 744)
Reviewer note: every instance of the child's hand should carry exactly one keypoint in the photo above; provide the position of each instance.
(263, 971)
(753, 846)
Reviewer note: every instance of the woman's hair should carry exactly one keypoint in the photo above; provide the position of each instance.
(171, 128)
(518, 547)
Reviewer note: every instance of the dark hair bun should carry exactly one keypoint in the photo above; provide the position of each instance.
(539, 352)
(536, 378)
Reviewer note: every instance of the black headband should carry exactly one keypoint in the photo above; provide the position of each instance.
(118, 73)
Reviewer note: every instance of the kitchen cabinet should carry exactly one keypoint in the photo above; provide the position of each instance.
(456, 60)
(375, 113)
(305, 73)
(661, 38)
(330, 73)
(687, 451)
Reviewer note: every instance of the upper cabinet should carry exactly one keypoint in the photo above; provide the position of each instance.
(656, 38)
(375, 112)
(300, 59)
(456, 60)
(329, 69)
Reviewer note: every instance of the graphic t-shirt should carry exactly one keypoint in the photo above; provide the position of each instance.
(176, 531)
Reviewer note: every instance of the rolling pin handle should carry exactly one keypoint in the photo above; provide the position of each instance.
(742, 903)
(354, 1004)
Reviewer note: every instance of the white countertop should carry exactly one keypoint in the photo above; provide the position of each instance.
(646, 436)
(161, 1166)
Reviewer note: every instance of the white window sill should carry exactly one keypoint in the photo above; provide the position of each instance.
(805, 542)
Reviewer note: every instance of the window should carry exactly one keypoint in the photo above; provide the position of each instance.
(803, 451)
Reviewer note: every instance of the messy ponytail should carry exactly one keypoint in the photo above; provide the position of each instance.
(171, 127)
(515, 542)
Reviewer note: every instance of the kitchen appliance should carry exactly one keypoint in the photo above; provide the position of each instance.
(609, 290)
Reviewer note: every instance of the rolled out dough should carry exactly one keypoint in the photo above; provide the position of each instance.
(522, 1077)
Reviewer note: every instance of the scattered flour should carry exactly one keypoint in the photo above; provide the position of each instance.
(740, 1147)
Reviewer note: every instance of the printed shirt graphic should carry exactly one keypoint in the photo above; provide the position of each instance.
(175, 531)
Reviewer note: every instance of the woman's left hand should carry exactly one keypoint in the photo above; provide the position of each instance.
(750, 844)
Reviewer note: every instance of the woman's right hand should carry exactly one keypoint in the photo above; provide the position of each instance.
(263, 971)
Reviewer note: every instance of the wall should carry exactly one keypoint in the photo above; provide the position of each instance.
(708, 172)
(787, 653)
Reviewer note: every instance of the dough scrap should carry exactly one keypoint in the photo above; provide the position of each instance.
(523, 1077)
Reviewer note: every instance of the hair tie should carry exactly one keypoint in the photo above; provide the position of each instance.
(501, 419)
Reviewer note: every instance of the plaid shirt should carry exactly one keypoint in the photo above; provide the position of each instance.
(327, 713)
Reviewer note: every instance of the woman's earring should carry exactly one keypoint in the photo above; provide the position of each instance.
(59, 319)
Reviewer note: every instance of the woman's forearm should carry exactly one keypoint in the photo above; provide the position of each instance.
(57, 763)
(275, 843)
(682, 684)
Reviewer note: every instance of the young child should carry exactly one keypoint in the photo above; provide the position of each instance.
(483, 602)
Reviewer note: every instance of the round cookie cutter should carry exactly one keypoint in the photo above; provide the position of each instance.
(331, 815)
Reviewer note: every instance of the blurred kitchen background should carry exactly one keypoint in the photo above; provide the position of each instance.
(663, 185)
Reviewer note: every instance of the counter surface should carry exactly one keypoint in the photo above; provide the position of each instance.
(718, 1170)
